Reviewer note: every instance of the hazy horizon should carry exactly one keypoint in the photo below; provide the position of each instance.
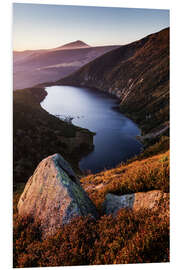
(62, 45)
(40, 26)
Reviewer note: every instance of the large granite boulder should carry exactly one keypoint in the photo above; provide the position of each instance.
(154, 200)
(53, 196)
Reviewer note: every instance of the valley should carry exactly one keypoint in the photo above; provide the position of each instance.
(117, 215)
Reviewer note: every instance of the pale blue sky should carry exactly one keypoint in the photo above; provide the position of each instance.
(38, 26)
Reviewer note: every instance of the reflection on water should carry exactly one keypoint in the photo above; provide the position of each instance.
(88, 108)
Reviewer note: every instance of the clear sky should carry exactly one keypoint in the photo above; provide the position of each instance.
(38, 26)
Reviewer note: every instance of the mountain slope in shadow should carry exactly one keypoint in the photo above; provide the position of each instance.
(32, 67)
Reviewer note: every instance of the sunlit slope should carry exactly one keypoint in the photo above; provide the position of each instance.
(150, 173)
(140, 236)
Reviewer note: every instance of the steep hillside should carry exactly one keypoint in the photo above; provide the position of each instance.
(131, 236)
(150, 173)
(138, 74)
(38, 66)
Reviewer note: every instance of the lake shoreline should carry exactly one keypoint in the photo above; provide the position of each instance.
(115, 139)
(32, 122)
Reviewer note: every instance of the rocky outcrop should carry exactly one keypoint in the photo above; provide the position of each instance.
(154, 135)
(53, 196)
(155, 200)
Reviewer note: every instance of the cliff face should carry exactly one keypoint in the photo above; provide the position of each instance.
(138, 75)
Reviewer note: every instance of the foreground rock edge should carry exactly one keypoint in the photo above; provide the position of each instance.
(53, 196)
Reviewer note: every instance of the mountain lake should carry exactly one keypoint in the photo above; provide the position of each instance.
(115, 140)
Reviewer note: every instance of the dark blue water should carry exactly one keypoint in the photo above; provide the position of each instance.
(115, 140)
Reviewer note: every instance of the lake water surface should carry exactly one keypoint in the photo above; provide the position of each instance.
(115, 140)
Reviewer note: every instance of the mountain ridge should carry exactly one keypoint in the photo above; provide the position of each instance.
(33, 67)
(74, 44)
(137, 74)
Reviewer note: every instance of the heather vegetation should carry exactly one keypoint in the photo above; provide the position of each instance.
(137, 176)
(129, 237)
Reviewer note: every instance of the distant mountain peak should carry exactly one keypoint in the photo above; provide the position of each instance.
(74, 45)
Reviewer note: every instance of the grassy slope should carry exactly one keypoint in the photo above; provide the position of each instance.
(137, 176)
(128, 238)
(138, 73)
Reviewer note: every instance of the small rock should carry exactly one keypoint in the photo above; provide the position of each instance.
(113, 203)
(151, 200)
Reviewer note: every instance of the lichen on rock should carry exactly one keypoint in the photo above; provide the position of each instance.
(53, 196)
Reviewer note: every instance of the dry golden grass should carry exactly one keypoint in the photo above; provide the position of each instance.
(129, 237)
(148, 174)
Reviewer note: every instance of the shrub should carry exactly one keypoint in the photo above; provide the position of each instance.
(127, 238)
